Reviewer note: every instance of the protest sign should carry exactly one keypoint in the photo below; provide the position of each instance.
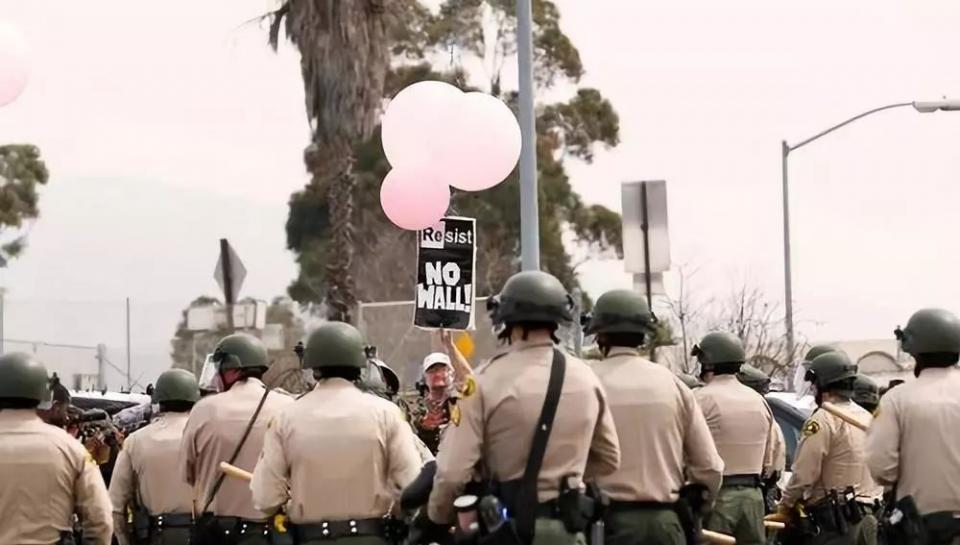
(446, 262)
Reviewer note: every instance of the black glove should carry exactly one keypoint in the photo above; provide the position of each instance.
(424, 531)
(416, 494)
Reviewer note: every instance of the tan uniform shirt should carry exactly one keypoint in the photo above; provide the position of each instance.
(779, 449)
(213, 431)
(914, 441)
(741, 424)
(661, 429)
(46, 476)
(497, 424)
(146, 472)
(336, 454)
(830, 456)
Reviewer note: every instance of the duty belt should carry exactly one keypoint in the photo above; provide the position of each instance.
(620, 506)
(747, 480)
(242, 526)
(171, 520)
(336, 529)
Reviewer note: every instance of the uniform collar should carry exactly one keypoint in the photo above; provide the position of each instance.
(622, 351)
(526, 345)
(19, 415)
(936, 373)
(334, 383)
(724, 380)
(247, 384)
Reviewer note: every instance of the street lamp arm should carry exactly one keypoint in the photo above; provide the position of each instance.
(847, 122)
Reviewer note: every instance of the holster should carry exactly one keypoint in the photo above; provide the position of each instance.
(141, 525)
(67, 538)
(574, 508)
(901, 523)
(690, 507)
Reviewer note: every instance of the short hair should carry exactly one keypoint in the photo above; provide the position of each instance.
(177, 406)
(18, 403)
(336, 371)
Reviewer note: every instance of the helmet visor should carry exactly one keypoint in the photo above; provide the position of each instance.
(210, 374)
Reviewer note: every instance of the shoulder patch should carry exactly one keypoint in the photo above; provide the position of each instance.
(89, 457)
(810, 428)
(469, 387)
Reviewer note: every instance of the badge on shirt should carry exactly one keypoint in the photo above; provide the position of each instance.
(454, 414)
(810, 428)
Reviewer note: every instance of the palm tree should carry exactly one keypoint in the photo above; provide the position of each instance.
(345, 54)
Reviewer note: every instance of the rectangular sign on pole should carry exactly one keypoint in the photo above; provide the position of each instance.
(658, 239)
(446, 267)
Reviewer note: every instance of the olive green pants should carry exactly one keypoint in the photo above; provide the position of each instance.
(869, 530)
(644, 527)
(552, 532)
(739, 512)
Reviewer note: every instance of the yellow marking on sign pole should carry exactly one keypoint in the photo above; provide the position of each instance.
(464, 344)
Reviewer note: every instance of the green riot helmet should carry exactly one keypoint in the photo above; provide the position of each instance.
(240, 351)
(334, 344)
(815, 351)
(176, 385)
(620, 311)
(754, 378)
(832, 371)
(691, 381)
(720, 352)
(23, 377)
(930, 331)
(866, 392)
(531, 296)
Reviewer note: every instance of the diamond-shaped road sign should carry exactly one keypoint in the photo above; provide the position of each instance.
(230, 272)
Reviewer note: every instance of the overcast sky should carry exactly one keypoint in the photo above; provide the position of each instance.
(169, 125)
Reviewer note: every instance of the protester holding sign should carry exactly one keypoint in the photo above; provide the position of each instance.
(446, 376)
(445, 271)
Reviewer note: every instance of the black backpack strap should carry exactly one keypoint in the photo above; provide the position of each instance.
(236, 452)
(526, 507)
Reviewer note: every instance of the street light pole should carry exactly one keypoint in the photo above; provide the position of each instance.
(946, 105)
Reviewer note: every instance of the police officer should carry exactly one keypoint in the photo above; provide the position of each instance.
(866, 392)
(754, 378)
(339, 456)
(758, 381)
(495, 427)
(379, 379)
(669, 443)
(830, 479)
(162, 506)
(221, 425)
(745, 434)
(46, 476)
(913, 443)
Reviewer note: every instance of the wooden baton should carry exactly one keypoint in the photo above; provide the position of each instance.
(235, 472)
(773, 525)
(843, 415)
(718, 538)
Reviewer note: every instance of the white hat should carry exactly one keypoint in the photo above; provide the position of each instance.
(434, 359)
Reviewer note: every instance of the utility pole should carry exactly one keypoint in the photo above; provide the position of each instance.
(101, 367)
(129, 380)
(529, 207)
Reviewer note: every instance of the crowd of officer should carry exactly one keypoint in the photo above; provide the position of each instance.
(533, 447)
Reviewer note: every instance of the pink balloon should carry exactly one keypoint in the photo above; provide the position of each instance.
(492, 147)
(414, 199)
(14, 68)
(418, 126)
